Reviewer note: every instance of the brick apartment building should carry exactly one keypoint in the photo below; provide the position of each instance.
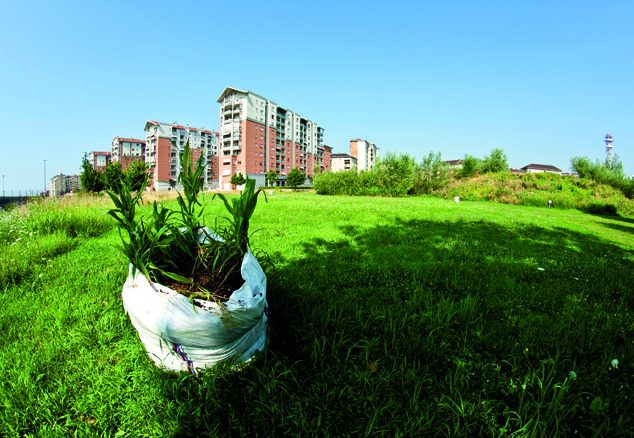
(127, 150)
(257, 135)
(163, 157)
(99, 160)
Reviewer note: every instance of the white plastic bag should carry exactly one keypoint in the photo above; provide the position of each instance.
(181, 337)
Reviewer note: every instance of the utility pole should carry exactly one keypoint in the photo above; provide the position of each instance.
(45, 160)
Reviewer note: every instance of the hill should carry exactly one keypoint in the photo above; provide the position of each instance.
(536, 189)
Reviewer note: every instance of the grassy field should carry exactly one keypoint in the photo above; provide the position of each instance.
(390, 317)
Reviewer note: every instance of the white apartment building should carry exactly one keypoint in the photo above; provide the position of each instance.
(343, 162)
(165, 141)
(257, 135)
(61, 184)
(365, 152)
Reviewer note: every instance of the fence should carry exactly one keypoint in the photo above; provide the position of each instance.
(18, 197)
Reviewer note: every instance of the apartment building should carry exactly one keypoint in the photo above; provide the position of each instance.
(99, 160)
(163, 144)
(127, 150)
(365, 152)
(62, 184)
(258, 135)
(343, 162)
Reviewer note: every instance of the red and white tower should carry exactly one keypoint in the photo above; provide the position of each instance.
(609, 149)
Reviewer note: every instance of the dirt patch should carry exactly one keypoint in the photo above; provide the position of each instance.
(219, 286)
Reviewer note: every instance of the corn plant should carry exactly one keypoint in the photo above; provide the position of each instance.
(241, 209)
(176, 244)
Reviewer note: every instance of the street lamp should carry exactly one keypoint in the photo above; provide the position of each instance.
(45, 160)
(3, 186)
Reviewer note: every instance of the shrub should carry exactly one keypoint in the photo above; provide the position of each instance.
(495, 162)
(470, 165)
(598, 207)
(395, 173)
(432, 175)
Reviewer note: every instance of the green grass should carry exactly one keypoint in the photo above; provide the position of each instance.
(472, 316)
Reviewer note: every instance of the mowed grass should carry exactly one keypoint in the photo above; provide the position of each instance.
(390, 317)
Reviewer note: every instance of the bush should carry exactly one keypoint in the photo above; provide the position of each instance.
(395, 174)
(470, 165)
(604, 173)
(598, 207)
(432, 175)
(495, 162)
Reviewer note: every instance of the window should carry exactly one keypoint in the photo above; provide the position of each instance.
(261, 138)
(261, 128)
(260, 154)
(256, 154)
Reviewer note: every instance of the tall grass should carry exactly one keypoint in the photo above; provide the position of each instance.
(390, 317)
(535, 190)
(35, 233)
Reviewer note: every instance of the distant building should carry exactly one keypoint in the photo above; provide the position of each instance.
(365, 152)
(343, 162)
(258, 135)
(165, 141)
(127, 150)
(537, 168)
(454, 164)
(62, 184)
(99, 160)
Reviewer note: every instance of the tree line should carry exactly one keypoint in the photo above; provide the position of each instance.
(400, 175)
(110, 178)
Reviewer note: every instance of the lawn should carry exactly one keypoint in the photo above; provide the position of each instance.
(390, 317)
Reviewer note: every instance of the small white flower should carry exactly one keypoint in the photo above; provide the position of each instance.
(573, 375)
(540, 269)
(615, 362)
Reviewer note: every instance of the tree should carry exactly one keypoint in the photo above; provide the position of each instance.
(470, 165)
(112, 176)
(495, 162)
(395, 173)
(91, 180)
(137, 174)
(295, 178)
(270, 177)
(237, 179)
(432, 175)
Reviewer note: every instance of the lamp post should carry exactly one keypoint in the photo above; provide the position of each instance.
(45, 160)
(3, 186)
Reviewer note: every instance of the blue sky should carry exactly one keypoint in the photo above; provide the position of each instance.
(543, 80)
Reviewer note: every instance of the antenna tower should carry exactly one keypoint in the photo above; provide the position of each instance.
(609, 149)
